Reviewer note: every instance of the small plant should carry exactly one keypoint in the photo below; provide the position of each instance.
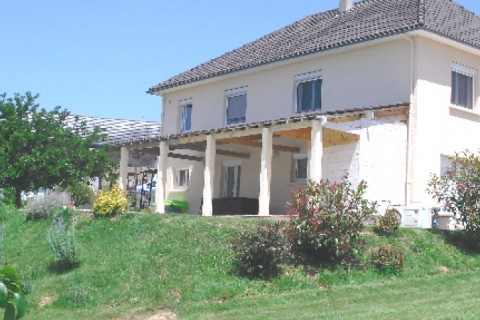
(326, 221)
(387, 258)
(61, 237)
(259, 252)
(42, 207)
(388, 224)
(111, 201)
(12, 295)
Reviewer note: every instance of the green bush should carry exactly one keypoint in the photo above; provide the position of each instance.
(388, 224)
(61, 237)
(43, 207)
(82, 194)
(7, 197)
(458, 191)
(111, 201)
(387, 258)
(327, 220)
(260, 252)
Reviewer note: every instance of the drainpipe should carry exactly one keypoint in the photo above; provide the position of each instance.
(412, 125)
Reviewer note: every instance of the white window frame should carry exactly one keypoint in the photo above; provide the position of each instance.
(225, 166)
(296, 158)
(308, 77)
(231, 93)
(178, 171)
(468, 72)
(183, 104)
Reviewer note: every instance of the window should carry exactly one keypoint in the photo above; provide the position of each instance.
(231, 180)
(236, 105)
(182, 178)
(301, 167)
(309, 91)
(186, 106)
(462, 86)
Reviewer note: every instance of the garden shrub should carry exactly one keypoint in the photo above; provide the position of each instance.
(61, 237)
(458, 191)
(387, 258)
(260, 252)
(110, 201)
(7, 197)
(82, 194)
(42, 207)
(326, 221)
(388, 224)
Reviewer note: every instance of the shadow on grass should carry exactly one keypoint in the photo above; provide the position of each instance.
(461, 240)
(62, 267)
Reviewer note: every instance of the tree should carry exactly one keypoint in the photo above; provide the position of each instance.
(458, 190)
(38, 148)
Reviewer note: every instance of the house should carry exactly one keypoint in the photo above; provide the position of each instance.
(384, 90)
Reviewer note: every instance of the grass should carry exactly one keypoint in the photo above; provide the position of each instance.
(139, 264)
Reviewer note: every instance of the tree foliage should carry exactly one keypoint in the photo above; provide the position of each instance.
(458, 190)
(39, 149)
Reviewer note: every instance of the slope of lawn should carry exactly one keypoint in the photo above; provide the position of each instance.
(137, 265)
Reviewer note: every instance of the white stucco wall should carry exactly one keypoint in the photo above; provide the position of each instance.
(377, 74)
(441, 129)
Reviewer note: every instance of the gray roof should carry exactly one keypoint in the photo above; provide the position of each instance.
(120, 130)
(367, 20)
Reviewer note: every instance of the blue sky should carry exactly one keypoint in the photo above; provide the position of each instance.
(98, 57)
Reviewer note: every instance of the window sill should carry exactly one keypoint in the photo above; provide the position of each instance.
(465, 111)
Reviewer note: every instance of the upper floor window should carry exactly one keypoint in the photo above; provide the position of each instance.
(462, 86)
(236, 105)
(186, 108)
(309, 91)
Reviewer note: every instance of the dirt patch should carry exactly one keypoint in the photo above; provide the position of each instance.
(45, 301)
(160, 315)
(444, 269)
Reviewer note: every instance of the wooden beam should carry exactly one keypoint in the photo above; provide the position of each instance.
(301, 134)
(196, 146)
(247, 141)
(391, 113)
(184, 157)
(233, 154)
(336, 138)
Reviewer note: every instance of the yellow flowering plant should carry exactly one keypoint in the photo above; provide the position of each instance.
(111, 201)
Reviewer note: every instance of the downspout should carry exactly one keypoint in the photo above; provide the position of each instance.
(411, 124)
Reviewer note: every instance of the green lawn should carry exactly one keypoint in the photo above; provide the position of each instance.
(141, 264)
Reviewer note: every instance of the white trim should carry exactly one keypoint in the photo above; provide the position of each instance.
(235, 92)
(309, 76)
(462, 69)
(185, 102)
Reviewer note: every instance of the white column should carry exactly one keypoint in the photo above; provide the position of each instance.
(208, 177)
(265, 173)
(316, 150)
(124, 157)
(162, 163)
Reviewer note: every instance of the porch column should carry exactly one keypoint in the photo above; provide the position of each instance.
(124, 157)
(316, 149)
(208, 177)
(265, 173)
(162, 164)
